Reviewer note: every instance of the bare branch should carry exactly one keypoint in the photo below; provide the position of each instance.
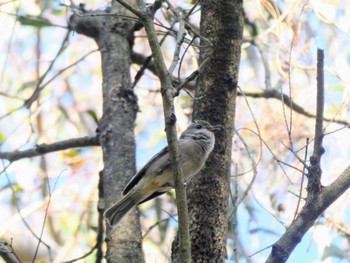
(311, 211)
(318, 149)
(315, 172)
(155, 225)
(302, 179)
(47, 148)
(7, 253)
(191, 77)
(319, 198)
(45, 216)
(67, 67)
(139, 59)
(26, 224)
(131, 8)
(28, 103)
(275, 94)
(170, 120)
(181, 34)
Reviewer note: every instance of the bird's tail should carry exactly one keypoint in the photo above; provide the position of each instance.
(116, 212)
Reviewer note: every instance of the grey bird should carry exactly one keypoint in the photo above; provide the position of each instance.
(156, 177)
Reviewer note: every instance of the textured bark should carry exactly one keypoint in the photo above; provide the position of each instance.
(222, 24)
(116, 127)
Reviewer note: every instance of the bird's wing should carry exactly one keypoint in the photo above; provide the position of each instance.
(139, 175)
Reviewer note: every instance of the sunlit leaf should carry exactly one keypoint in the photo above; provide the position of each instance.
(16, 190)
(34, 21)
(72, 153)
(337, 88)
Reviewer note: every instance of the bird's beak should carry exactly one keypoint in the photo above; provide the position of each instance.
(215, 128)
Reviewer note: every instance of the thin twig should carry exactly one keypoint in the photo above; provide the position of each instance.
(257, 93)
(46, 214)
(235, 218)
(290, 166)
(154, 225)
(183, 57)
(302, 180)
(181, 34)
(275, 94)
(38, 88)
(294, 153)
(191, 10)
(9, 47)
(131, 8)
(195, 32)
(270, 150)
(19, 211)
(193, 76)
(67, 67)
(255, 172)
(259, 251)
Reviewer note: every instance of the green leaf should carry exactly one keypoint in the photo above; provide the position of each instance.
(72, 153)
(2, 137)
(337, 88)
(35, 21)
(93, 114)
(16, 191)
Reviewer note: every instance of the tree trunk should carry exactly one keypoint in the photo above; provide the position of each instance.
(208, 192)
(116, 127)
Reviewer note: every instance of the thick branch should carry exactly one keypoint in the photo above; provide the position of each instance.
(311, 211)
(7, 253)
(318, 149)
(318, 198)
(315, 172)
(47, 148)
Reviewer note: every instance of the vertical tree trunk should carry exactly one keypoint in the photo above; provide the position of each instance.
(118, 142)
(208, 192)
(116, 127)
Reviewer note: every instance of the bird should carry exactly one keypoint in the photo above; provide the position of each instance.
(156, 177)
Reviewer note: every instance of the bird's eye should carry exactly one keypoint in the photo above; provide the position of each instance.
(198, 126)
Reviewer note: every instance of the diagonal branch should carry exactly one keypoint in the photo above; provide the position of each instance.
(274, 94)
(28, 103)
(7, 253)
(319, 198)
(311, 211)
(48, 148)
